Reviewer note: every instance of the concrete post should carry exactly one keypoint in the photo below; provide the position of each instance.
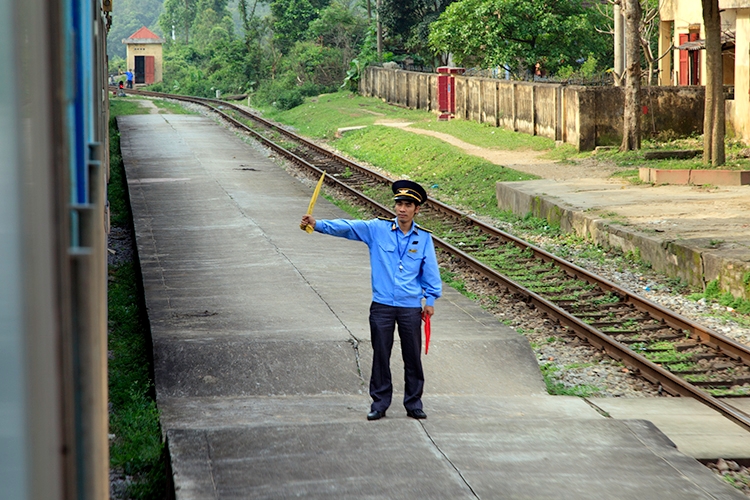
(586, 123)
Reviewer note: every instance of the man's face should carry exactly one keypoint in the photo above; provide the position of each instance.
(406, 210)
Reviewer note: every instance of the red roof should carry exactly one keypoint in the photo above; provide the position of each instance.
(144, 32)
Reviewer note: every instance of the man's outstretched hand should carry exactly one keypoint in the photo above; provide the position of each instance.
(307, 220)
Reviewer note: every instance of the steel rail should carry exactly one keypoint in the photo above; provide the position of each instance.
(274, 126)
(648, 369)
(714, 339)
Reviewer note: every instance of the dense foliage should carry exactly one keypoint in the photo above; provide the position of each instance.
(406, 24)
(518, 34)
(279, 51)
(304, 47)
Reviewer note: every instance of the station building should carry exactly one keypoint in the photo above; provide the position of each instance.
(682, 28)
(144, 56)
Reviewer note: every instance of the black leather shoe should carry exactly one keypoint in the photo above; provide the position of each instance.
(375, 415)
(418, 414)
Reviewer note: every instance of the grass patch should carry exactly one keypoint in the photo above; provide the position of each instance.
(486, 136)
(120, 106)
(662, 353)
(557, 388)
(447, 173)
(713, 294)
(565, 153)
(319, 117)
(137, 449)
(450, 279)
(629, 175)
(734, 154)
(117, 188)
(355, 211)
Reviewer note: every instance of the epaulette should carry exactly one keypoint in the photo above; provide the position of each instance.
(423, 228)
(386, 219)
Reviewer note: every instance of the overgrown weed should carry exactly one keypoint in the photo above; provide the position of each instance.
(137, 449)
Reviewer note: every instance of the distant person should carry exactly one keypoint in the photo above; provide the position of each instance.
(129, 78)
(404, 271)
(120, 91)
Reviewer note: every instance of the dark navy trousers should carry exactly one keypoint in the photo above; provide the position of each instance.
(383, 320)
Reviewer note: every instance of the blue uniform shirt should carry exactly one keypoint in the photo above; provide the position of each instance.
(403, 266)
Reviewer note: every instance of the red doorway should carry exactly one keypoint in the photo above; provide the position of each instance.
(690, 61)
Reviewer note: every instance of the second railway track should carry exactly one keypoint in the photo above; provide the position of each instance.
(683, 357)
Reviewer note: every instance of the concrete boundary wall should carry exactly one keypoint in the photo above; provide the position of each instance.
(585, 117)
(694, 264)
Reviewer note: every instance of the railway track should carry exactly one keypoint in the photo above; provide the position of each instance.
(683, 357)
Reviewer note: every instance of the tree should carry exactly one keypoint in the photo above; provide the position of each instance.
(339, 27)
(517, 34)
(177, 17)
(405, 22)
(250, 23)
(648, 30)
(213, 57)
(253, 28)
(213, 27)
(713, 115)
(631, 130)
(290, 20)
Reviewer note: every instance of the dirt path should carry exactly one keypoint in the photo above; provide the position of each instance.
(524, 161)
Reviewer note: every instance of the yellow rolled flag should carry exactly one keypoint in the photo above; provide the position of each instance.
(311, 206)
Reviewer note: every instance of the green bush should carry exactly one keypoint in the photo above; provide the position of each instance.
(311, 89)
(159, 87)
(713, 293)
(289, 99)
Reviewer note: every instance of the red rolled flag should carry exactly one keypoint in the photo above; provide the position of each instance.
(426, 319)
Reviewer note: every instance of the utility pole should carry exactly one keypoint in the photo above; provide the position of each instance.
(619, 45)
(379, 31)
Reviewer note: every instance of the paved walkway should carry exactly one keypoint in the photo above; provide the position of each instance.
(261, 357)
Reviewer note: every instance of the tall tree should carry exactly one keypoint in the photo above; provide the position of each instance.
(649, 31)
(290, 20)
(212, 30)
(631, 130)
(405, 21)
(253, 28)
(517, 34)
(177, 17)
(713, 115)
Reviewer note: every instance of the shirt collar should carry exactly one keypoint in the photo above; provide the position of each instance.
(414, 227)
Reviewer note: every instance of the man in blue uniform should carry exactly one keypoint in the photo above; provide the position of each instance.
(404, 271)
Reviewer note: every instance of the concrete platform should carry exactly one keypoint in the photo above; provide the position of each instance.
(262, 357)
(695, 429)
(697, 233)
